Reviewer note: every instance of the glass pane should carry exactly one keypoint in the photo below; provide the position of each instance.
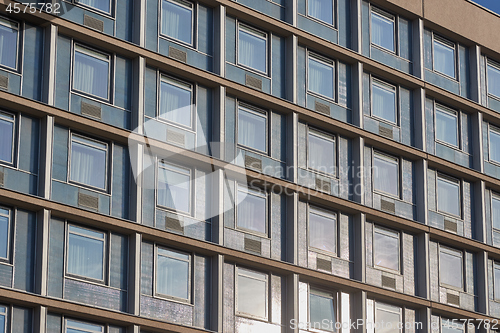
(321, 78)
(251, 212)
(252, 296)
(444, 59)
(322, 232)
(85, 256)
(252, 49)
(386, 251)
(494, 146)
(86, 232)
(448, 197)
(384, 103)
(91, 75)
(321, 308)
(173, 277)
(448, 326)
(8, 46)
(175, 104)
(383, 31)
(2, 323)
(450, 269)
(76, 326)
(4, 236)
(321, 10)
(321, 154)
(388, 318)
(252, 129)
(493, 80)
(102, 5)
(88, 165)
(177, 20)
(446, 127)
(173, 254)
(496, 283)
(6, 143)
(385, 175)
(495, 212)
(174, 190)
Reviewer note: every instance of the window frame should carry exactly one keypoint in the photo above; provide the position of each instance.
(164, 78)
(18, 27)
(4, 115)
(390, 17)
(238, 270)
(450, 323)
(451, 45)
(256, 192)
(496, 65)
(334, 16)
(452, 252)
(256, 111)
(111, 12)
(494, 196)
(451, 112)
(191, 184)
(322, 292)
(400, 312)
(107, 161)
(328, 62)
(451, 180)
(492, 128)
(105, 258)
(389, 233)
(66, 326)
(387, 158)
(496, 266)
(388, 87)
(6, 315)
(88, 51)
(259, 34)
(190, 274)
(193, 9)
(10, 229)
(329, 137)
(311, 209)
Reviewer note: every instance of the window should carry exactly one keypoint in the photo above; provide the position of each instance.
(176, 99)
(496, 281)
(448, 193)
(101, 5)
(252, 290)
(384, 101)
(322, 309)
(91, 72)
(386, 174)
(383, 29)
(389, 317)
(494, 144)
(89, 162)
(493, 79)
(322, 230)
(252, 48)
(447, 125)
(321, 10)
(321, 76)
(451, 326)
(444, 56)
(5, 217)
(450, 267)
(495, 211)
(3, 319)
(252, 128)
(9, 36)
(386, 248)
(251, 212)
(86, 252)
(173, 274)
(7, 132)
(177, 20)
(321, 152)
(73, 326)
(174, 187)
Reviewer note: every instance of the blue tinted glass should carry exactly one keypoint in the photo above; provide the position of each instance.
(321, 311)
(91, 74)
(495, 213)
(8, 44)
(252, 49)
(494, 146)
(446, 127)
(173, 277)
(174, 190)
(384, 103)
(321, 78)
(383, 31)
(321, 10)
(493, 80)
(448, 197)
(175, 104)
(79, 327)
(85, 256)
(444, 59)
(252, 129)
(497, 282)
(88, 165)
(177, 20)
(102, 5)
(2, 323)
(4, 237)
(6, 140)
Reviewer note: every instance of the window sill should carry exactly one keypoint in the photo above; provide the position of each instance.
(166, 122)
(182, 44)
(247, 316)
(380, 48)
(387, 270)
(249, 232)
(171, 299)
(323, 174)
(96, 99)
(172, 211)
(384, 121)
(92, 10)
(323, 252)
(325, 24)
(443, 75)
(10, 70)
(456, 217)
(251, 70)
(83, 187)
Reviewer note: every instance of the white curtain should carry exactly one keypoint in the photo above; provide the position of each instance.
(378, 104)
(252, 213)
(321, 78)
(247, 54)
(88, 165)
(85, 256)
(321, 9)
(251, 130)
(172, 277)
(322, 233)
(175, 104)
(6, 129)
(321, 154)
(173, 190)
(91, 75)
(4, 234)
(8, 46)
(170, 21)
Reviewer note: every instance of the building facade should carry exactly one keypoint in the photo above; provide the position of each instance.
(249, 166)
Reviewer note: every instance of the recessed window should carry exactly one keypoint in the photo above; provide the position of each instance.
(86, 251)
(101, 5)
(321, 76)
(496, 282)
(321, 10)
(176, 99)
(174, 187)
(251, 210)
(386, 248)
(73, 326)
(177, 20)
(252, 128)
(389, 316)
(5, 218)
(384, 101)
(446, 125)
(251, 294)
(495, 211)
(322, 230)
(494, 144)
(451, 326)
(386, 174)
(3, 319)
(91, 72)
(7, 131)
(444, 56)
(382, 29)
(493, 79)
(9, 35)
(252, 48)
(448, 193)
(173, 274)
(321, 152)
(450, 268)
(88, 162)
(322, 309)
